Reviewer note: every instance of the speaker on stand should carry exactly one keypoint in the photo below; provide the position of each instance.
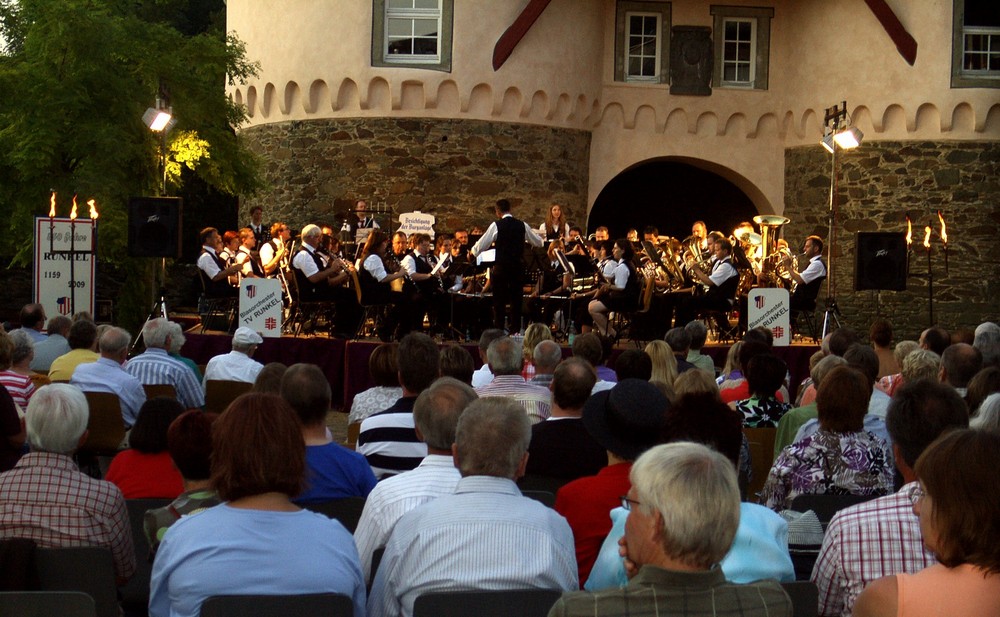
(880, 263)
(154, 230)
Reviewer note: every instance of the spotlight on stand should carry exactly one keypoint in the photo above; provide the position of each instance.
(827, 142)
(159, 118)
(849, 138)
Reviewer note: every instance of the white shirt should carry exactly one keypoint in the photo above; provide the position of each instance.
(266, 252)
(232, 366)
(814, 270)
(620, 275)
(206, 261)
(409, 262)
(393, 497)
(722, 272)
(243, 257)
(491, 234)
(482, 376)
(304, 261)
(375, 267)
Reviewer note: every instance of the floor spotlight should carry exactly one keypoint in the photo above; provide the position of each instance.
(849, 138)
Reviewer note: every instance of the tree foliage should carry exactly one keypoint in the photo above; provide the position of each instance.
(75, 79)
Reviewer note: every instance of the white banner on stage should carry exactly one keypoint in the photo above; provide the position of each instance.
(260, 306)
(64, 265)
(770, 308)
(417, 222)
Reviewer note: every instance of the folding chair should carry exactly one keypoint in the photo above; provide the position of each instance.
(509, 603)
(219, 393)
(346, 510)
(805, 598)
(761, 441)
(47, 604)
(155, 390)
(135, 594)
(105, 425)
(305, 605)
(87, 569)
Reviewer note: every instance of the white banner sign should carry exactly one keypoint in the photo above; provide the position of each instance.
(260, 306)
(64, 265)
(417, 222)
(770, 308)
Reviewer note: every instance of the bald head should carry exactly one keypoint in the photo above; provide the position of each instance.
(959, 364)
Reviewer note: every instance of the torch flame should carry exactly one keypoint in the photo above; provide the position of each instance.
(52, 205)
(927, 237)
(944, 229)
(72, 212)
(93, 209)
(909, 231)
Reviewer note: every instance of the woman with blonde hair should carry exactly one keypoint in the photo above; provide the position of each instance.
(555, 225)
(533, 335)
(664, 362)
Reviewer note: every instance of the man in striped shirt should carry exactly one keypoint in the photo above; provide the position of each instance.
(435, 414)
(155, 366)
(388, 438)
(506, 360)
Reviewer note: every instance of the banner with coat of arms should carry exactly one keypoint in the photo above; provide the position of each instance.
(260, 306)
(770, 308)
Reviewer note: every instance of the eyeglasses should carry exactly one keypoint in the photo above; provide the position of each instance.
(627, 503)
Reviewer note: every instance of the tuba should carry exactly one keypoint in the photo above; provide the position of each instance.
(770, 229)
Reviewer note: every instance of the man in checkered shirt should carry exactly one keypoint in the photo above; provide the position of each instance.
(47, 499)
(882, 536)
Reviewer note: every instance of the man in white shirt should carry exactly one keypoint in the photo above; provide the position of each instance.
(809, 280)
(215, 273)
(435, 414)
(238, 364)
(107, 374)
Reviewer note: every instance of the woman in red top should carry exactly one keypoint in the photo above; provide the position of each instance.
(145, 470)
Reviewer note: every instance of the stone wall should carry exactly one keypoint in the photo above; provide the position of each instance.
(453, 169)
(878, 184)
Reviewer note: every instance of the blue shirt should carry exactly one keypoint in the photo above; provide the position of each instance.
(106, 375)
(155, 367)
(231, 551)
(334, 472)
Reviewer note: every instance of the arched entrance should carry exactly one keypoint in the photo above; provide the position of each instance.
(671, 195)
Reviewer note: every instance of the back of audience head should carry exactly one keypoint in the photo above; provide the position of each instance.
(880, 333)
(959, 364)
(56, 419)
(760, 335)
(732, 359)
(841, 339)
(694, 490)
(963, 335)
(959, 475)
(572, 382)
(189, 441)
(534, 334)
(703, 418)
(748, 351)
(177, 338)
(842, 400)
(692, 382)
(698, 332)
(824, 366)
(437, 410)
(627, 419)
(155, 333)
(149, 433)
(546, 356)
(634, 364)
(935, 339)
(987, 417)
(919, 413)
(306, 389)
(920, 364)
(269, 378)
(22, 348)
(505, 356)
(765, 375)
(679, 340)
(32, 316)
(383, 365)
(114, 343)
(60, 324)
(488, 336)
(257, 448)
(417, 362)
(456, 362)
(492, 439)
(987, 341)
(6, 350)
(863, 359)
(903, 349)
(663, 360)
(82, 335)
(985, 383)
(588, 347)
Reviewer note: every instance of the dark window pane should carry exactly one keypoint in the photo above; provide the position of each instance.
(634, 44)
(729, 72)
(400, 4)
(634, 66)
(649, 26)
(744, 30)
(743, 73)
(425, 46)
(649, 49)
(730, 30)
(400, 28)
(635, 24)
(743, 52)
(729, 51)
(401, 46)
(648, 67)
(982, 13)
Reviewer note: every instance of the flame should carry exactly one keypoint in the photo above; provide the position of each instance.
(927, 237)
(52, 205)
(72, 212)
(909, 231)
(944, 229)
(93, 209)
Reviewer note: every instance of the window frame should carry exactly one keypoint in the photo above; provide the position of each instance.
(657, 55)
(750, 63)
(626, 8)
(960, 76)
(381, 16)
(760, 44)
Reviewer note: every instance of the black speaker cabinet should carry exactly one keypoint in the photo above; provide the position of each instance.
(154, 226)
(880, 261)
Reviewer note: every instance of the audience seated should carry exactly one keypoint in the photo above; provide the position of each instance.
(840, 457)
(269, 378)
(880, 335)
(890, 383)
(332, 471)
(189, 441)
(988, 417)
(506, 360)
(47, 499)
(15, 373)
(154, 366)
(882, 536)
(177, 340)
(684, 512)
(456, 362)
(765, 375)
(257, 541)
(238, 364)
(82, 343)
(634, 364)
(664, 362)
(435, 413)
(534, 334)
(382, 365)
(107, 375)
(145, 470)
(699, 334)
(626, 421)
(935, 339)
(53, 345)
(987, 341)
(546, 356)
(32, 319)
(959, 364)
(483, 375)
(792, 421)
(588, 346)
(679, 341)
(484, 536)
(12, 434)
(957, 504)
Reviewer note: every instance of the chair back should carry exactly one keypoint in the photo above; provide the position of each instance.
(47, 604)
(825, 506)
(761, 442)
(519, 602)
(220, 392)
(107, 429)
(353, 432)
(135, 594)
(543, 497)
(161, 389)
(805, 598)
(87, 569)
(346, 510)
(38, 380)
(305, 605)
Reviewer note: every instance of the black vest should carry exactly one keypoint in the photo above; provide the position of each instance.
(215, 289)
(309, 291)
(727, 290)
(805, 294)
(510, 241)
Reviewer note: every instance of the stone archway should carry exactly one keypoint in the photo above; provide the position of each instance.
(670, 194)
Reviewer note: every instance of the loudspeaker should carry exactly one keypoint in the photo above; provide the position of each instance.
(880, 261)
(154, 226)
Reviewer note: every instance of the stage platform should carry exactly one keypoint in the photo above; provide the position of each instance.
(345, 363)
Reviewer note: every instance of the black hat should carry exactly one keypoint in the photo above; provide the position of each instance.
(626, 420)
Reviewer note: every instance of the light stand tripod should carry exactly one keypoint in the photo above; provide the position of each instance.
(159, 306)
